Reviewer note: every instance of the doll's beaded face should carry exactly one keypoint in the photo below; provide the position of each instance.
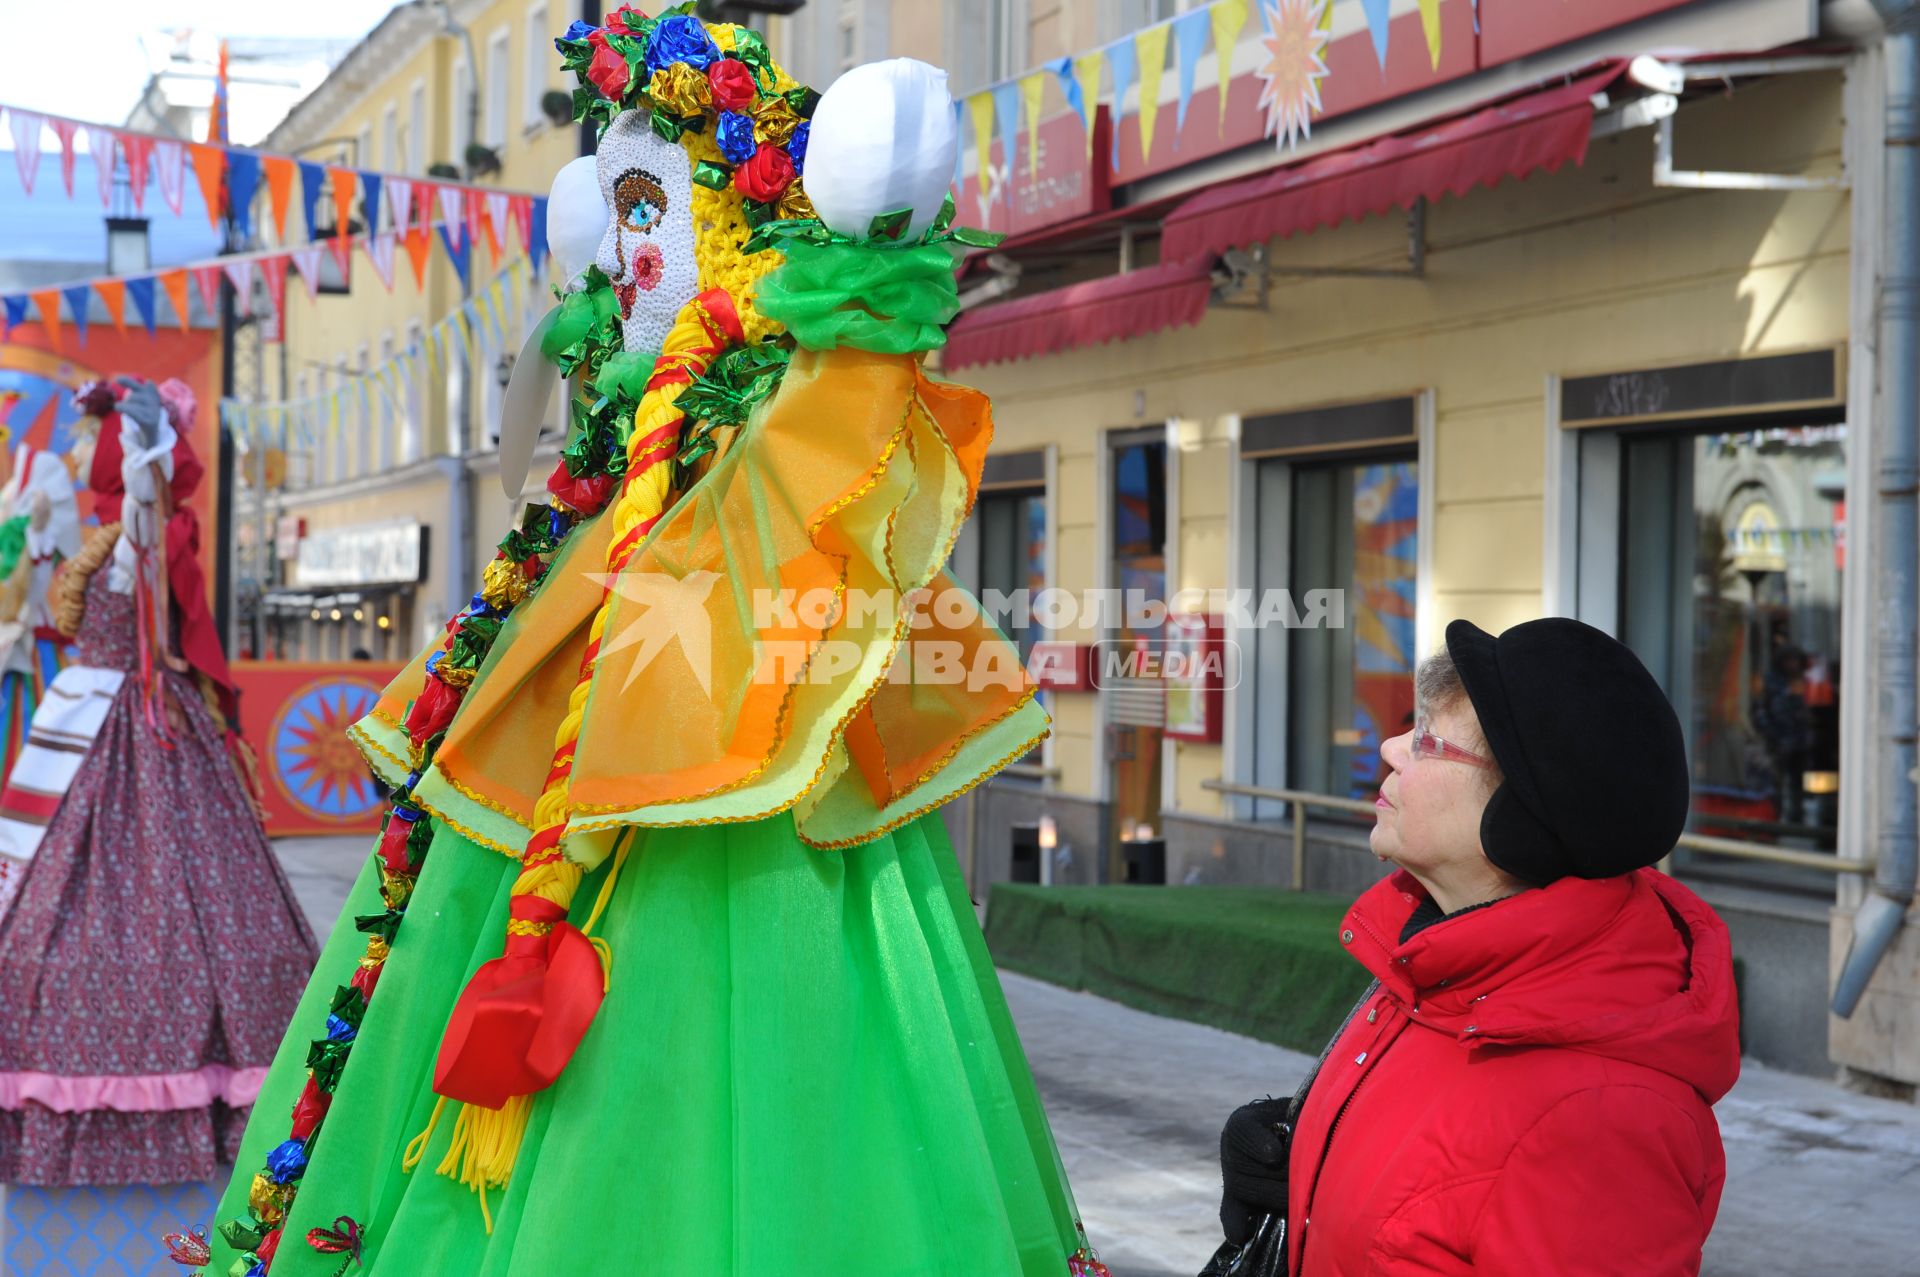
(648, 250)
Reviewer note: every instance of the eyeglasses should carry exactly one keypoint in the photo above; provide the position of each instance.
(1427, 745)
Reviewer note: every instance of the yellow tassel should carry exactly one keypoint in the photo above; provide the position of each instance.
(485, 1145)
(417, 1146)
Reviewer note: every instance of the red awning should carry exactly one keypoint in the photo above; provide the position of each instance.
(1087, 314)
(1541, 130)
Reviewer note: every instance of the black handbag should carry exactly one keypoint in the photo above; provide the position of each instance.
(1265, 1255)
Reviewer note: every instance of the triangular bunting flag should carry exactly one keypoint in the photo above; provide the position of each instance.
(1151, 45)
(1121, 61)
(344, 180)
(419, 242)
(206, 279)
(140, 288)
(64, 130)
(313, 178)
(1033, 88)
(170, 173)
(1229, 19)
(113, 292)
(139, 153)
(426, 198)
(47, 302)
(14, 309)
(450, 210)
(980, 108)
(1430, 24)
(473, 206)
(26, 127)
(380, 253)
(307, 262)
(520, 213)
(273, 271)
(1379, 24)
(79, 304)
(243, 179)
(1086, 73)
(241, 274)
(1189, 41)
(1006, 113)
(537, 233)
(400, 201)
(175, 284)
(100, 145)
(370, 199)
(960, 144)
(341, 246)
(496, 223)
(460, 254)
(279, 171)
(209, 166)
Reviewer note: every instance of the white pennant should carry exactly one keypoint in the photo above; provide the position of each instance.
(170, 172)
(241, 273)
(450, 210)
(400, 198)
(497, 214)
(26, 128)
(103, 143)
(307, 262)
(380, 253)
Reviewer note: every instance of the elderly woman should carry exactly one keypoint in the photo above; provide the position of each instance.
(1527, 1088)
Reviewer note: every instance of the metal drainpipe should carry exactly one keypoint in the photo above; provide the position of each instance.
(1879, 919)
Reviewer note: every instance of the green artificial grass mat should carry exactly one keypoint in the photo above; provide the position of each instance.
(1265, 962)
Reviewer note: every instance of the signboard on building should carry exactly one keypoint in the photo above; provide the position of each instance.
(296, 714)
(380, 554)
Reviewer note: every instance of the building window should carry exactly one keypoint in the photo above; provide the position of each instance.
(390, 155)
(388, 414)
(366, 412)
(458, 106)
(1350, 687)
(498, 52)
(363, 147)
(417, 128)
(339, 466)
(538, 68)
(1732, 559)
(414, 426)
(847, 38)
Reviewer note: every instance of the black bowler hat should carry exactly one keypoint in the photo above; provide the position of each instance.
(1595, 763)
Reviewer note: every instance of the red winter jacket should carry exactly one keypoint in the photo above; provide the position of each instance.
(1528, 1092)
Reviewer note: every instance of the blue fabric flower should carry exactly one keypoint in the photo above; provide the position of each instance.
(287, 1161)
(339, 1030)
(578, 31)
(735, 136)
(681, 39)
(797, 146)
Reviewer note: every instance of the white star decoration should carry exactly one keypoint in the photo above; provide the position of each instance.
(1295, 44)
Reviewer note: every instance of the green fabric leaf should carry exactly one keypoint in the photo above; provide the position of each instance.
(715, 177)
(891, 300)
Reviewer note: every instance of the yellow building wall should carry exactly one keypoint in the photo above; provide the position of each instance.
(1590, 269)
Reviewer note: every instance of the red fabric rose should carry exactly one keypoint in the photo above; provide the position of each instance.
(617, 21)
(364, 978)
(766, 175)
(269, 1244)
(431, 711)
(732, 84)
(393, 845)
(586, 494)
(608, 72)
(309, 1109)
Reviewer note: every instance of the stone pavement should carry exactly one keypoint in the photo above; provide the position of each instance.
(1820, 1182)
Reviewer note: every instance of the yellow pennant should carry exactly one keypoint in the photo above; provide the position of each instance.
(1150, 46)
(980, 107)
(1086, 69)
(1032, 93)
(1229, 17)
(1430, 23)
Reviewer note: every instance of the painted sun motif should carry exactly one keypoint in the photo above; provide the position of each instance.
(1295, 45)
(316, 766)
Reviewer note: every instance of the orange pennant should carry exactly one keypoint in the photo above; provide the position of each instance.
(114, 293)
(209, 169)
(419, 242)
(344, 180)
(175, 282)
(48, 304)
(279, 171)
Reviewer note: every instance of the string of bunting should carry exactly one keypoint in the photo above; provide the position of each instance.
(499, 220)
(493, 321)
(235, 178)
(1294, 32)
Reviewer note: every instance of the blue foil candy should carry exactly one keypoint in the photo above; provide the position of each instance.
(287, 1162)
(735, 136)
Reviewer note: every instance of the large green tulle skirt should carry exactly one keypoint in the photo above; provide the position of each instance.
(804, 1065)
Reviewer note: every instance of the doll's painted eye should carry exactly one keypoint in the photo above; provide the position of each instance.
(638, 201)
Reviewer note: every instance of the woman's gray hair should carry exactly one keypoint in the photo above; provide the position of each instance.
(1436, 683)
